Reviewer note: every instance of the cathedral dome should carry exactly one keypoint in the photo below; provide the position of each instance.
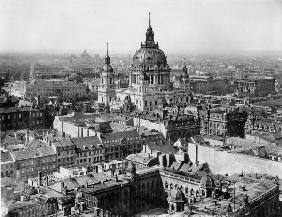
(149, 54)
(149, 57)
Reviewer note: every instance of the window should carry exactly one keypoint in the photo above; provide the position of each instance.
(9, 117)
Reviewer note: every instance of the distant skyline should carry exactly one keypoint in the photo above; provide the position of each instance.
(179, 25)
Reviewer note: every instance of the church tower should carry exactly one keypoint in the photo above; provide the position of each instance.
(185, 80)
(106, 90)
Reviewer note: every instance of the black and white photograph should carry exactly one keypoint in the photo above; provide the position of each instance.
(141, 108)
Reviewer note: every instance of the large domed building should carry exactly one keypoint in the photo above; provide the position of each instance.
(149, 78)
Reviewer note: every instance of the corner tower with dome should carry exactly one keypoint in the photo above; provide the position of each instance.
(149, 78)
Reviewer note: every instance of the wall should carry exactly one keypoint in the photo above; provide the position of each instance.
(150, 125)
(227, 163)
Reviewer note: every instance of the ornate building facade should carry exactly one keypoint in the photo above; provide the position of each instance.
(149, 79)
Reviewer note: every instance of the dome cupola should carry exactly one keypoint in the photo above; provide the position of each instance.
(149, 54)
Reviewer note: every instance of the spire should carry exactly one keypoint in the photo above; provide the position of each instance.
(107, 58)
(149, 35)
(149, 19)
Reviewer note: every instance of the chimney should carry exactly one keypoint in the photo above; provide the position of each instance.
(63, 188)
(197, 159)
(22, 198)
(27, 136)
(39, 178)
(64, 134)
(47, 180)
(116, 178)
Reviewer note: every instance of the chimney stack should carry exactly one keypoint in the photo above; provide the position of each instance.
(47, 180)
(39, 178)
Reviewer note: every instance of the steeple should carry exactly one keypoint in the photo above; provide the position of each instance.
(107, 58)
(149, 19)
(150, 42)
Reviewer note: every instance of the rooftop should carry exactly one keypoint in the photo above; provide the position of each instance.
(6, 157)
(250, 186)
(33, 152)
(109, 137)
(90, 142)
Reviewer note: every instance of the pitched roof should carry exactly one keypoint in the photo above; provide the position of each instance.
(130, 134)
(37, 144)
(185, 167)
(175, 166)
(161, 146)
(33, 152)
(10, 140)
(63, 143)
(26, 153)
(90, 142)
(6, 156)
(46, 151)
(140, 158)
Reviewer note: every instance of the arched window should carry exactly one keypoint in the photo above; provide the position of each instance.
(192, 192)
(186, 190)
(166, 185)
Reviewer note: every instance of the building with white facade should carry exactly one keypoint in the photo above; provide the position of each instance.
(55, 87)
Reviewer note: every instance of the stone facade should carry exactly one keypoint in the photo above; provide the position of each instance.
(55, 87)
(256, 86)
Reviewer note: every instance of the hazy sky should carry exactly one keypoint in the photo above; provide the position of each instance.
(179, 25)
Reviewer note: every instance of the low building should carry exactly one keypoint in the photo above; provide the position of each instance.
(70, 172)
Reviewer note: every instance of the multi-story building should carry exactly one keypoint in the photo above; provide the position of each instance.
(8, 165)
(54, 87)
(38, 157)
(223, 121)
(46, 71)
(256, 86)
(89, 150)
(120, 144)
(177, 190)
(209, 85)
(65, 150)
(82, 125)
(173, 125)
(16, 118)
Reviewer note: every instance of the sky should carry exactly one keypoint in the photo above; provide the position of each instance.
(179, 25)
